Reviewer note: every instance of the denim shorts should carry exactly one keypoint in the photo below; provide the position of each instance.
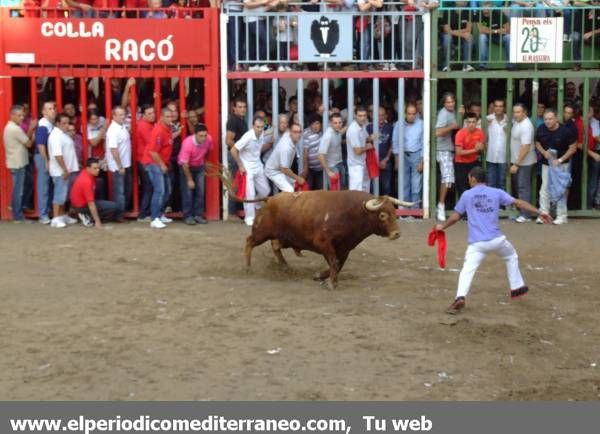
(61, 188)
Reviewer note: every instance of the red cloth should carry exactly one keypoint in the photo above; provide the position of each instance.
(372, 164)
(293, 52)
(334, 182)
(440, 237)
(303, 187)
(240, 184)
(83, 190)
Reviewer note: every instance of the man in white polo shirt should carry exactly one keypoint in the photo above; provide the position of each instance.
(63, 169)
(246, 153)
(356, 141)
(118, 158)
(280, 161)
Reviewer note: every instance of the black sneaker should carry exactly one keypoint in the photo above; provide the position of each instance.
(456, 306)
(519, 292)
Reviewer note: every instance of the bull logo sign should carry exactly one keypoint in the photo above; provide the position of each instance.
(319, 37)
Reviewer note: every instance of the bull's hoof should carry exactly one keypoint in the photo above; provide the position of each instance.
(330, 285)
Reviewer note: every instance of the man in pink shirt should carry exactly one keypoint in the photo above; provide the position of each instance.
(191, 159)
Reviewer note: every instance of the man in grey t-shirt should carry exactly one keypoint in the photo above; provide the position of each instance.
(444, 127)
(330, 150)
(522, 156)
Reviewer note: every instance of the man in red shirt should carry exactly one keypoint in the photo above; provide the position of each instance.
(156, 163)
(83, 201)
(469, 143)
(143, 133)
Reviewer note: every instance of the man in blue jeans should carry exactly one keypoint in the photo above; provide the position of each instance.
(411, 153)
(156, 162)
(40, 158)
(118, 158)
(192, 155)
(16, 145)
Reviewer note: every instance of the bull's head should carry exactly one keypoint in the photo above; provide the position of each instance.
(387, 222)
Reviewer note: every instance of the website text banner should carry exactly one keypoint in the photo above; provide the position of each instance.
(106, 42)
(301, 417)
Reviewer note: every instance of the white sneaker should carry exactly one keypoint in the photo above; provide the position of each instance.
(249, 222)
(539, 221)
(288, 68)
(44, 220)
(522, 219)
(281, 68)
(157, 224)
(441, 213)
(264, 68)
(165, 219)
(468, 68)
(393, 67)
(69, 220)
(85, 220)
(445, 69)
(560, 221)
(57, 222)
(254, 68)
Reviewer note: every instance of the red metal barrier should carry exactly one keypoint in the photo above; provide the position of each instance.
(111, 48)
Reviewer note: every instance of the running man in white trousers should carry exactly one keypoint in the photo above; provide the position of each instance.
(278, 166)
(481, 204)
(246, 153)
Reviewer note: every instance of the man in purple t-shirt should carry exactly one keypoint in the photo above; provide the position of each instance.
(481, 205)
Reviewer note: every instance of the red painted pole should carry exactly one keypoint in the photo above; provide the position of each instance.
(133, 107)
(84, 118)
(58, 86)
(6, 98)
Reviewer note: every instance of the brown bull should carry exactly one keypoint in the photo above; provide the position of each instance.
(331, 223)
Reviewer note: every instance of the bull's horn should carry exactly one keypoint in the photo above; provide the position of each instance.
(374, 204)
(399, 202)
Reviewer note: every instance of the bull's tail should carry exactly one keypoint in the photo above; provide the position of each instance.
(221, 172)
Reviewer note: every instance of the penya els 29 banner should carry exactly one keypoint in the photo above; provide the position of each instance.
(106, 42)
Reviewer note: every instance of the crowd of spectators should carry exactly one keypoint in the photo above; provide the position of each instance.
(539, 145)
(465, 25)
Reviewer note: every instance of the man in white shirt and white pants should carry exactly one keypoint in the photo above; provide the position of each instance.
(246, 153)
(280, 161)
(118, 158)
(63, 168)
(356, 141)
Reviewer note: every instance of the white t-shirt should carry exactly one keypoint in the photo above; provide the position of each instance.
(356, 137)
(496, 149)
(249, 146)
(61, 144)
(282, 156)
(522, 133)
(117, 137)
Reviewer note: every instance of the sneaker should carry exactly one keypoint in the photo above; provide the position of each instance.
(249, 222)
(393, 67)
(147, 219)
(385, 67)
(85, 220)
(69, 220)
(264, 68)
(566, 38)
(445, 69)
(519, 292)
(441, 213)
(157, 224)
(57, 222)
(456, 306)
(44, 220)
(539, 221)
(281, 68)
(165, 219)
(288, 68)
(468, 68)
(560, 221)
(254, 68)
(200, 220)
(189, 221)
(522, 219)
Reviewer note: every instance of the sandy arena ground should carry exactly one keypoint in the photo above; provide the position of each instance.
(128, 313)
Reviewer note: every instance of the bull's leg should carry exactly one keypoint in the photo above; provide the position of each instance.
(322, 275)
(251, 243)
(341, 259)
(276, 245)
